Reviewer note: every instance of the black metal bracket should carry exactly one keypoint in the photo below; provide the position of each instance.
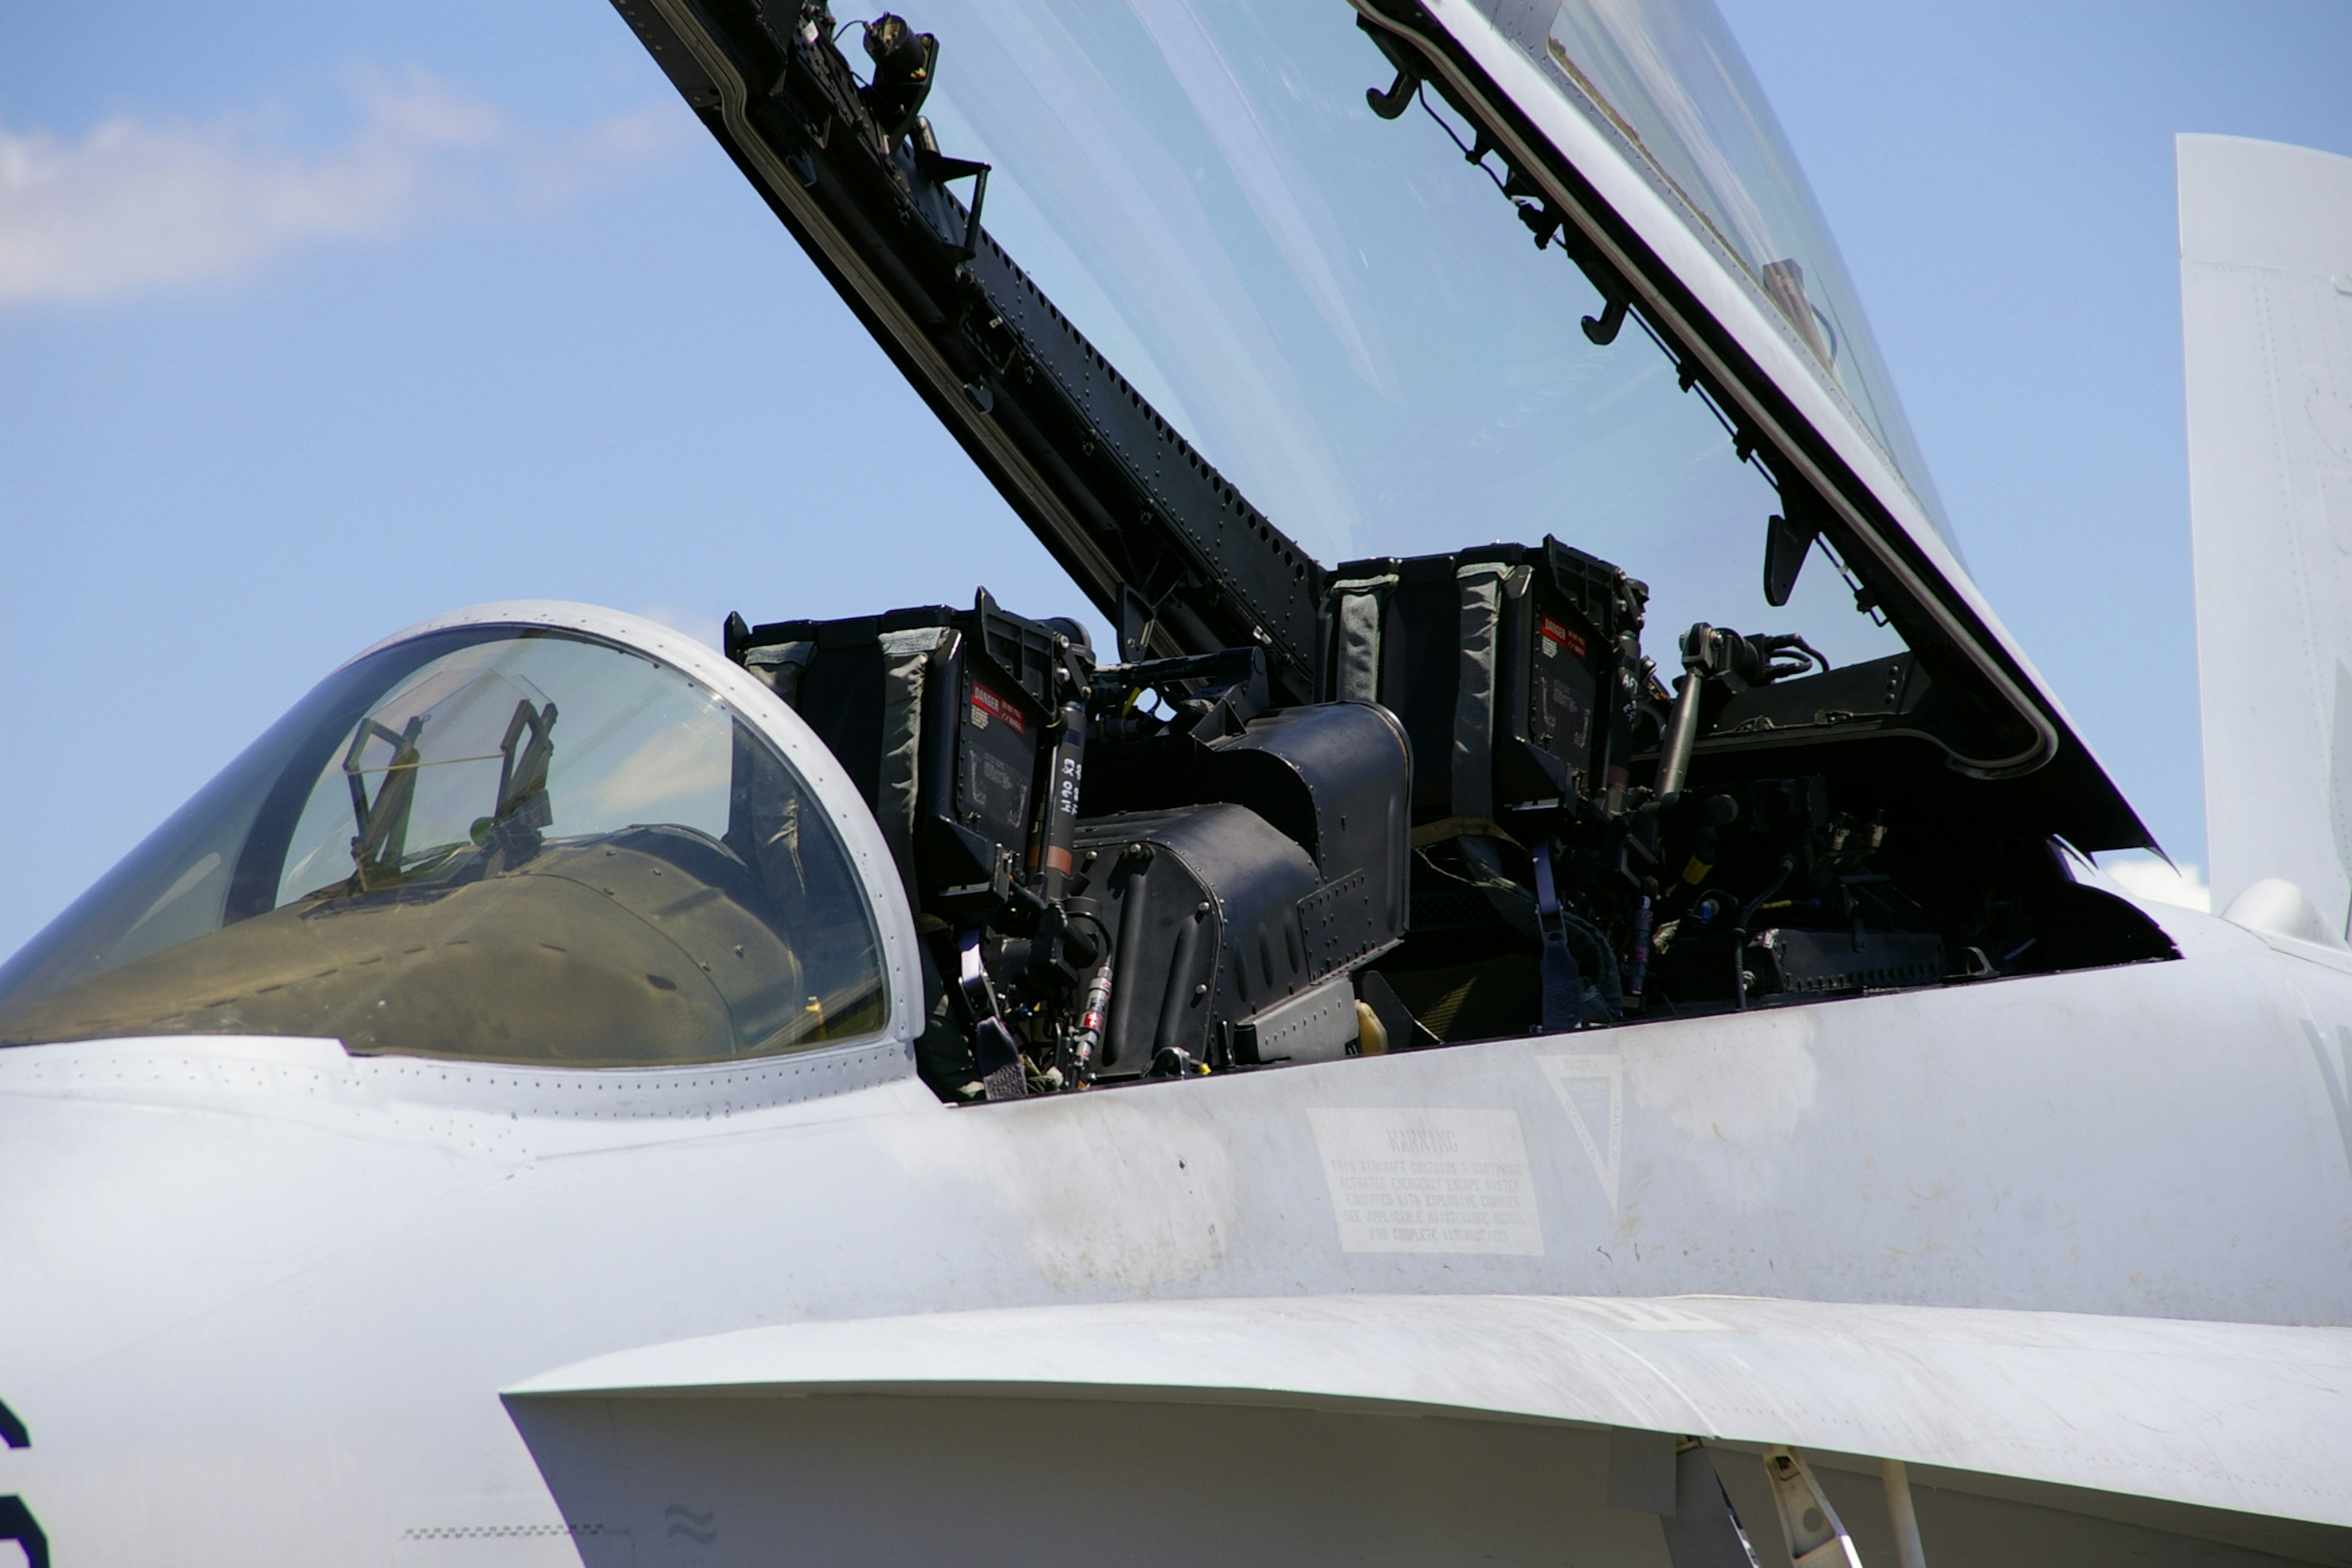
(1603, 328)
(1123, 502)
(17, 1524)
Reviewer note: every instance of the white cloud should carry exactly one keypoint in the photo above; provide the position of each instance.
(133, 206)
(2146, 877)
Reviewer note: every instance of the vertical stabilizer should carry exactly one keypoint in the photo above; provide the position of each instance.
(2266, 317)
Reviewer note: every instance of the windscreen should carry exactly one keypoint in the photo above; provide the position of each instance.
(497, 844)
(1345, 312)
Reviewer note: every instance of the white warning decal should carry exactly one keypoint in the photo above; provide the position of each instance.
(1429, 1181)
(1592, 1092)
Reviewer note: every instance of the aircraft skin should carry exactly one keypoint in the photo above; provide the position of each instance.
(2077, 1248)
(263, 1295)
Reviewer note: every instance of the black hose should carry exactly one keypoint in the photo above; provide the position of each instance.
(1126, 954)
(1739, 931)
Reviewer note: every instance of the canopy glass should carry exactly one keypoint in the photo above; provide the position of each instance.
(505, 843)
(1343, 315)
(1666, 79)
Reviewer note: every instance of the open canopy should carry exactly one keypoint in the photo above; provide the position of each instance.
(1220, 321)
(1351, 322)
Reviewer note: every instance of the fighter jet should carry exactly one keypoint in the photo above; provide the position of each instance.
(1433, 1048)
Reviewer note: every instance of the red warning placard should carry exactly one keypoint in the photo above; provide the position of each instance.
(987, 706)
(1554, 632)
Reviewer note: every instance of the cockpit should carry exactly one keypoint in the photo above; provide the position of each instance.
(1421, 396)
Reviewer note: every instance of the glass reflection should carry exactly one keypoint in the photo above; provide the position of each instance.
(499, 845)
(1667, 75)
(1346, 319)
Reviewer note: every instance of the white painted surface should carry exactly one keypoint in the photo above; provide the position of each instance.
(1902, 1514)
(233, 1259)
(2235, 1417)
(2266, 322)
(1429, 1181)
(1591, 1089)
(2274, 906)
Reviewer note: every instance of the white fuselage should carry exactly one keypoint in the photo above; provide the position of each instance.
(263, 1296)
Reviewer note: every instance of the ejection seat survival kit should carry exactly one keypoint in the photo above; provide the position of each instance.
(1306, 812)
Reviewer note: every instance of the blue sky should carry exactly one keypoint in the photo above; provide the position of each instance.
(317, 320)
